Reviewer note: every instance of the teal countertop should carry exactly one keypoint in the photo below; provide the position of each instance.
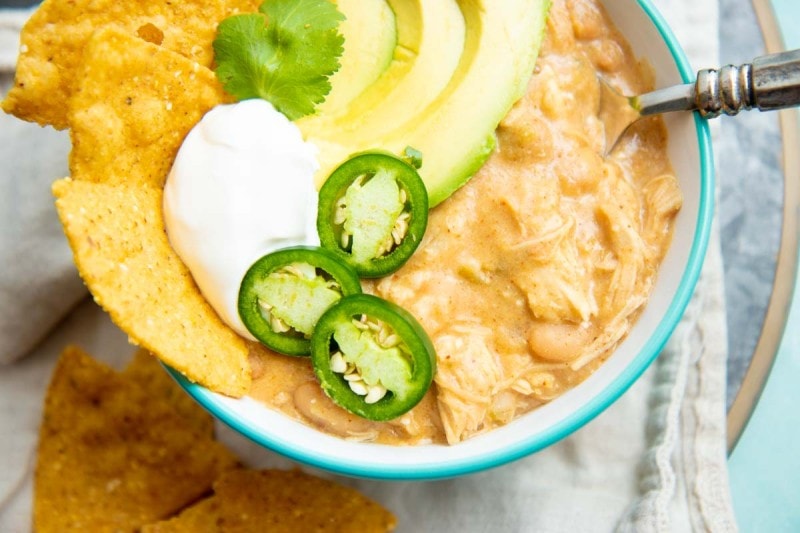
(765, 465)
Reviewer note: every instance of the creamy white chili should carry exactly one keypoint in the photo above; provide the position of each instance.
(531, 274)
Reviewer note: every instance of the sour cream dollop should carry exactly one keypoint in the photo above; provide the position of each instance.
(241, 187)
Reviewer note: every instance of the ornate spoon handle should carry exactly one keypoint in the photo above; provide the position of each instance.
(769, 82)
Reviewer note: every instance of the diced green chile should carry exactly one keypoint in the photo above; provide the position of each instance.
(413, 157)
(284, 293)
(372, 357)
(373, 211)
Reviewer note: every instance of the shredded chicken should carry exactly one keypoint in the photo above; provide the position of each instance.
(466, 378)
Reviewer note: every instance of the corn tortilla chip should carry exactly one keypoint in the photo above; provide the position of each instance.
(112, 457)
(145, 371)
(235, 7)
(279, 501)
(53, 42)
(134, 104)
(122, 252)
(202, 517)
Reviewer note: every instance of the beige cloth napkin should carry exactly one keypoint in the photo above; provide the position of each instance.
(654, 461)
(11, 21)
(38, 283)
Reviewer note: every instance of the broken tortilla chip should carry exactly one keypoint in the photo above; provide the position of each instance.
(145, 371)
(134, 104)
(202, 517)
(123, 255)
(279, 501)
(112, 457)
(53, 42)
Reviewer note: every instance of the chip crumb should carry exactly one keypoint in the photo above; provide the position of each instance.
(151, 33)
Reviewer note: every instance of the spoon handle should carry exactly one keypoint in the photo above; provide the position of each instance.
(769, 82)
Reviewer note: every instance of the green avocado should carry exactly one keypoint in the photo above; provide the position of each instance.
(370, 39)
(430, 41)
(458, 67)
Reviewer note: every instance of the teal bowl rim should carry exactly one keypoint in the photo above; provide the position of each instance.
(576, 419)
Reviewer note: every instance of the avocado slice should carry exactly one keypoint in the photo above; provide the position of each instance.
(455, 130)
(370, 40)
(430, 42)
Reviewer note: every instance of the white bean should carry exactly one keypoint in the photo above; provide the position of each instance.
(313, 405)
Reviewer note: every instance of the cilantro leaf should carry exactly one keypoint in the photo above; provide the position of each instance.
(284, 54)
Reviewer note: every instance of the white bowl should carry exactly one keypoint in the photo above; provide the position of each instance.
(690, 153)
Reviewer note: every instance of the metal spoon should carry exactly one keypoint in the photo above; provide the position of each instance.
(769, 82)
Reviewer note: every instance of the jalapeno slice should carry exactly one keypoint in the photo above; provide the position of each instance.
(284, 293)
(372, 357)
(373, 211)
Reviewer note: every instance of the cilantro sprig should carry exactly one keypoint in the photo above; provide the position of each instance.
(284, 54)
